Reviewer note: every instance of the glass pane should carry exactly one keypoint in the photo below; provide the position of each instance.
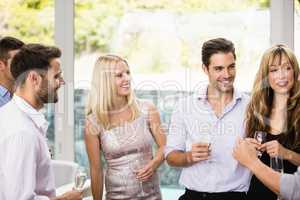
(162, 42)
(31, 21)
(297, 28)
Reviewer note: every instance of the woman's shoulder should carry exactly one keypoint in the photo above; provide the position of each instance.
(145, 106)
(92, 121)
(91, 117)
(145, 102)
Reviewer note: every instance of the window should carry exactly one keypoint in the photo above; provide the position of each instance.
(31, 21)
(162, 42)
(297, 29)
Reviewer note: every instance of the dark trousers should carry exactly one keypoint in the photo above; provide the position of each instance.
(194, 195)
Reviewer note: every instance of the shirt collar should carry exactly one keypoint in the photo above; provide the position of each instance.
(3, 91)
(201, 94)
(37, 117)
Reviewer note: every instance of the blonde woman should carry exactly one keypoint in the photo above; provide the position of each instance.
(275, 109)
(123, 129)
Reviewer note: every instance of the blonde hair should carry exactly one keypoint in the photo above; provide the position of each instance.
(260, 106)
(102, 95)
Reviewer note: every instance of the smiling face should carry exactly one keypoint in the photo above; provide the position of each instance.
(281, 75)
(51, 82)
(122, 79)
(221, 72)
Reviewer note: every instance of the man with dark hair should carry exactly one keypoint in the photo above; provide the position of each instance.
(25, 163)
(8, 48)
(204, 128)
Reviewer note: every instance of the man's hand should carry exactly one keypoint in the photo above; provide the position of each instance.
(199, 152)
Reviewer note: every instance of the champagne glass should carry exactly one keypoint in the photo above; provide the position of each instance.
(260, 136)
(80, 178)
(135, 166)
(204, 138)
(276, 163)
(209, 140)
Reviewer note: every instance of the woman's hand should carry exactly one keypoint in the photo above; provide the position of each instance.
(146, 172)
(274, 148)
(253, 142)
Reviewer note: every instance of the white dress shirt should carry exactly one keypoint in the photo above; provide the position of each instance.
(195, 121)
(25, 163)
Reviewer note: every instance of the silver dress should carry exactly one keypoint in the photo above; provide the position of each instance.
(127, 148)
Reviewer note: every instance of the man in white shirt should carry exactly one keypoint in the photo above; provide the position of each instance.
(25, 164)
(204, 128)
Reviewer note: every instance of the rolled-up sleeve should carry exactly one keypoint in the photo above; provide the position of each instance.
(177, 134)
(19, 167)
(290, 186)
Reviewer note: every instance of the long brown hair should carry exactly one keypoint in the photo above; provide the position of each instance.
(260, 106)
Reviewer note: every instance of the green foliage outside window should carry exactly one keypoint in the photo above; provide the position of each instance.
(95, 20)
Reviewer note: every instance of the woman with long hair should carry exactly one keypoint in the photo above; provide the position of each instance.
(124, 129)
(275, 108)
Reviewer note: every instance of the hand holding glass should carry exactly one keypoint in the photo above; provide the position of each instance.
(207, 138)
(135, 166)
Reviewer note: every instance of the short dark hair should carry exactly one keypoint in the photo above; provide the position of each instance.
(33, 57)
(213, 46)
(8, 44)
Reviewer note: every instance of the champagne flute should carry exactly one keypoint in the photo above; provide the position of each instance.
(80, 178)
(260, 136)
(204, 138)
(276, 163)
(135, 166)
(207, 138)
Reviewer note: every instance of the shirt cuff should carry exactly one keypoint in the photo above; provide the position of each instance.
(169, 150)
(286, 185)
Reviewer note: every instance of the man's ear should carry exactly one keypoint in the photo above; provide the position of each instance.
(205, 69)
(34, 77)
(2, 65)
